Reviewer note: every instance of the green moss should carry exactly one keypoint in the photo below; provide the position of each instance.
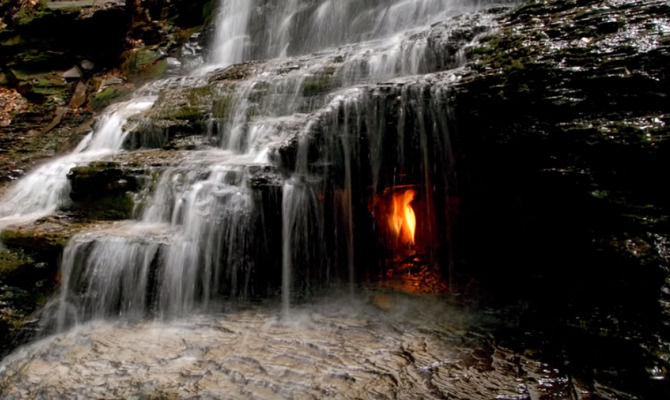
(157, 69)
(506, 50)
(478, 51)
(184, 35)
(34, 56)
(21, 74)
(199, 95)
(106, 208)
(36, 244)
(187, 113)
(11, 260)
(92, 170)
(25, 16)
(138, 60)
(50, 91)
(144, 64)
(50, 82)
(316, 85)
(259, 91)
(13, 41)
(221, 106)
(208, 11)
(112, 208)
(188, 105)
(50, 87)
(108, 96)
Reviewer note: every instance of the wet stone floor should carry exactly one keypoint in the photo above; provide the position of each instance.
(341, 349)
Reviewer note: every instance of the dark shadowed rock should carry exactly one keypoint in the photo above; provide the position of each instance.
(561, 138)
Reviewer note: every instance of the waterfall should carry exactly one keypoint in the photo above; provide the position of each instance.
(46, 189)
(335, 199)
(231, 36)
(213, 226)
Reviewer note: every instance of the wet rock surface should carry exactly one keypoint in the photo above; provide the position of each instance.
(572, 124)
(418, 349)
(63, 62)
(561, 136)
(558, 128)
(47, 236)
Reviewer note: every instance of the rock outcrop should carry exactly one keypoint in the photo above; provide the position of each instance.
(61, 63)
(561, 131)
(64, 61)
(562, 149)
(557, 128)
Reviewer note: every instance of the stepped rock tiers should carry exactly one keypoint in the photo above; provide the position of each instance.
(389, 198)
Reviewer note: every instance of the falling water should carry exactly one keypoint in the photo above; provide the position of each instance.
(314, 111)
(231, 32)
(314, 108)
(47, 189)
(206, 233)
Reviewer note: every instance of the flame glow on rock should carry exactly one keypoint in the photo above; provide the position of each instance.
(402, 219)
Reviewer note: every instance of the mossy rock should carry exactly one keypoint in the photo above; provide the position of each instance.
(33, 56)
(234, 72)
(317, 85)
(190, 105)
(25, 286)
(151, 133)
(199, 95)
(26, 15)
(143, 64)
(109, 208)
(71, 5)
(221, 106)
(41, 88)
(100, 191)
(12, 261)
(20, 270)
(43, 242)
(50, 86)
(183, 36)
(108, 96)
(187, 113)
(16, 40)
(209, 11)
(505, 51)
(100, 180)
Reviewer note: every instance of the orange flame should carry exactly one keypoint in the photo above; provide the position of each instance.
(402, 219)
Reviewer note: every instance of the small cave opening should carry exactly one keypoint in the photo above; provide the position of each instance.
(405, 225)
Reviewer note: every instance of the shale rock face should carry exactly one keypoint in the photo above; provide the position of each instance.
(548, 151)
(562, 147)
(562, 130)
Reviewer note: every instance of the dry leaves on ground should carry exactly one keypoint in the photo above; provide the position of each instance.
(11, 103)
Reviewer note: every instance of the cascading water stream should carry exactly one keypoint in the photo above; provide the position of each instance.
(309, 162)
(46, 189)
(197, 240)
(317, 108)
(231, 42)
